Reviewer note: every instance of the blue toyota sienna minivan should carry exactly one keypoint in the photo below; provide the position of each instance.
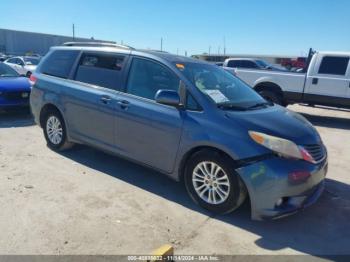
(186, 118)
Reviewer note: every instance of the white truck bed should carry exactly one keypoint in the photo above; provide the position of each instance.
(291, 82)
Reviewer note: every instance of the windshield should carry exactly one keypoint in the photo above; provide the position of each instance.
(31, 61)
(6, 71)
(262, 63)
(221, 86)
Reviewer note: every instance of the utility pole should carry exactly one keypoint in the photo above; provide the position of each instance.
(177, 51)
(161, 44)
(73, 32)
(209, 49)
(185, 53)
(218, 50)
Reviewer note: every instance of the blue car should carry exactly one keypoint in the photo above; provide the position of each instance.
(14, 89)
(186, 118)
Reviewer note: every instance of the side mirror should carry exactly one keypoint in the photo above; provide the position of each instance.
(167, 97)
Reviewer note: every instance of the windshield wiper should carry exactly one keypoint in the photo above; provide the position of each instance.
(263, 104)
(231, 106)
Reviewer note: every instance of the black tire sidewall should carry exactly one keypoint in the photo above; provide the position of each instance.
(232, 202)
(271, 96)
(64, 136)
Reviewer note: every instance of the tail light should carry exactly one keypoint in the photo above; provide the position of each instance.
(32, 79)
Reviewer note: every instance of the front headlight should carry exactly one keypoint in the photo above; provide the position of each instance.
(281, 146)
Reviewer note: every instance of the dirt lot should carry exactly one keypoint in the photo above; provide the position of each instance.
(87, 202)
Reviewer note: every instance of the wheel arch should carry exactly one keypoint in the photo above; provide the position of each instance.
(195, 150)
(48, 108)
(267, 85)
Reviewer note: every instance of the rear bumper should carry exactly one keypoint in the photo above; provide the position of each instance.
(267, 183)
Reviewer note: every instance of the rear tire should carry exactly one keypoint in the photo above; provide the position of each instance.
(55, 131)
(272, 96)
(28, 74)
(223, 192)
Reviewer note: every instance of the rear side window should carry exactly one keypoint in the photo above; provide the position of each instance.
(248, 64)
(332, 65)
(100, 69)
(59, 63)
(233, 63)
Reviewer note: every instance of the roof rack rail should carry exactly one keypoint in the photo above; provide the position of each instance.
(98, 44)
(154, 50)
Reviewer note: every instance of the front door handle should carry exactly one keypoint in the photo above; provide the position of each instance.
(105, 99)
(314, 81)
(124, 104)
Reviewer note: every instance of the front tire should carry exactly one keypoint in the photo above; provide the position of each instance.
(212, 182)
(55, 132)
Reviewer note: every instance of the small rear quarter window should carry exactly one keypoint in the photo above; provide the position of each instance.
(59, 63)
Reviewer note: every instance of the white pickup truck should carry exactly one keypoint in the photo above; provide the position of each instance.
(326, 81)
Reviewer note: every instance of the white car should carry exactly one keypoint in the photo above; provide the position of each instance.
(24, 65)
(326, 81)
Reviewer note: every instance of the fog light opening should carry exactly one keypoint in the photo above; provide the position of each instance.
(298, 176)
(282, 201)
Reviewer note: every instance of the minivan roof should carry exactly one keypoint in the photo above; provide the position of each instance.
(172, 58)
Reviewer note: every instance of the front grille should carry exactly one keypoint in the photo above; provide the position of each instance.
(318, 152)
(15, 95)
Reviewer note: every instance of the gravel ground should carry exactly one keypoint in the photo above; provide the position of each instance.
(87, 202)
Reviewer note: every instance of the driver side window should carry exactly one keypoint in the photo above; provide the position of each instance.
(147, 77)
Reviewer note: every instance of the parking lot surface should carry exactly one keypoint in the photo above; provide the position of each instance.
(84, 201)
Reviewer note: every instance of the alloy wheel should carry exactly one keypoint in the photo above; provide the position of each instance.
(54, 130)
(211, 182)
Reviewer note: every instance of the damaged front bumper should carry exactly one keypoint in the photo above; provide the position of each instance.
(272, 193)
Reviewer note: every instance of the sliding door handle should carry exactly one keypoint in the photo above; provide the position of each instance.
(124, 104)
(105, 99)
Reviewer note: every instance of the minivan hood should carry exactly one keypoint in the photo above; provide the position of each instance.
(277, 121)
